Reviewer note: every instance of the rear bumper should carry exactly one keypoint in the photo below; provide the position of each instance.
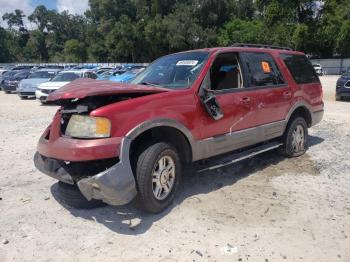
(9, 87)
(317, 117)
(114, 186)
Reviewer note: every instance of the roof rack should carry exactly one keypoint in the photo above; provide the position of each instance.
(261, 46)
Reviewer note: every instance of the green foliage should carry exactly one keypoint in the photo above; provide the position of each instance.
(142, 30)
(74, 51)
(241, 31)
(14, 19)
(343, 41)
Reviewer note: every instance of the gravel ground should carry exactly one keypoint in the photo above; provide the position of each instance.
(268, 208)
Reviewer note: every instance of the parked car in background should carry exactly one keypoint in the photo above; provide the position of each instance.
(115, 141)
(23, 67)
(108, 74)
(27, 87)
(11, 81)
(2, 74)
(61, 79)
(318, 68)
(102, 70)
(127, 76)
(343, 87)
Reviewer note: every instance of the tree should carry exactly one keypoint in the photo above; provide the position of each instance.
(14, 19)
(241, 31)
(343, 40)
(4, 51)
(75, 51)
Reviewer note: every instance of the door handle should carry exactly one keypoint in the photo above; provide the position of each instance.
(245, 100)
(287, 94)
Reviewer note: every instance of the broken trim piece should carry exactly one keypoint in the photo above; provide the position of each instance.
(114, 186)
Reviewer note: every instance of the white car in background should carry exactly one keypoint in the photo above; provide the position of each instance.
(318, 68)
(61, 79)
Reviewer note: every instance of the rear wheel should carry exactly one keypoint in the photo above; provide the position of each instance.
(295, 138)
(23, 97)
(158, 175)
(7, 92)
(71, 195)
(338, 98)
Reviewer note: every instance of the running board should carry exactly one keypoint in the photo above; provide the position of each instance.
(236, 157)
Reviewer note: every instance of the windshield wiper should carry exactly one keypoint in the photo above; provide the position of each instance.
(149, 84)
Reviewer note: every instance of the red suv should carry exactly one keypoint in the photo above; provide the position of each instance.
(114, 141)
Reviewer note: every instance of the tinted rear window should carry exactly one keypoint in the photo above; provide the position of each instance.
(301, 69)
(262, 70)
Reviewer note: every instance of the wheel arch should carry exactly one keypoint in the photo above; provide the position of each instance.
(165, 130)
(302, 110)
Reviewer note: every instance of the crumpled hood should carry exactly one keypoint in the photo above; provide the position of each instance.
(85, 87)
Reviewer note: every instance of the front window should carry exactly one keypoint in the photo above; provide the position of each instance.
(177, 71)
(65, 77)
(43, 74)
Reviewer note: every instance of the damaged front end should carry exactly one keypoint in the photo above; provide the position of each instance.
(99, 166)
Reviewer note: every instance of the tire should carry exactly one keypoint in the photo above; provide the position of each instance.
(152, 195)
(7, 92)
(70, 195)
(295, 138)
(338, 98)
(23, 97)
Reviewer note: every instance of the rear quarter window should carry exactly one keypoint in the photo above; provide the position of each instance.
(301, 68)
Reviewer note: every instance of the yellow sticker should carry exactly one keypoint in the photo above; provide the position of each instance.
(266, 67)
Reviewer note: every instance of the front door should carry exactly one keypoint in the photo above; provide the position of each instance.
(237, 105)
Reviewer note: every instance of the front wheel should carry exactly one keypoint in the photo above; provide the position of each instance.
(295, 138)
(158, 175)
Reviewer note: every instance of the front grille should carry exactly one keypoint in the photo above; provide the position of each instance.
(46, 91)
(347, 84)
(27, 93)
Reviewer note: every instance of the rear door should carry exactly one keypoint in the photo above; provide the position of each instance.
(264, 78)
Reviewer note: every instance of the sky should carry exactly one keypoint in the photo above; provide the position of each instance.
(27, 6)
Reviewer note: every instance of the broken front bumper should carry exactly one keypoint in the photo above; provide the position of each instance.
(114, 186)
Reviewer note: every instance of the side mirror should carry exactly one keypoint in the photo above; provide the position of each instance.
(209, 100)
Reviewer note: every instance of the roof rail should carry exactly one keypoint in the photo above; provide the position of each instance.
(261, 46)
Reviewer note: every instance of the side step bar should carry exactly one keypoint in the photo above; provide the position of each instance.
(236, 157)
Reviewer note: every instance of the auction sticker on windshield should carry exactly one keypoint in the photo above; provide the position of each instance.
(187, 63)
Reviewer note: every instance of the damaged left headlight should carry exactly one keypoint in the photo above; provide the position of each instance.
(80, 126)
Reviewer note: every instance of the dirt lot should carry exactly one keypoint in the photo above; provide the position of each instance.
(264, 209)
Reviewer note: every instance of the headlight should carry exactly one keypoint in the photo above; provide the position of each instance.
(88, 127)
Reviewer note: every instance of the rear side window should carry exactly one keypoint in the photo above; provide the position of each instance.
(261, 70)
(301, 69)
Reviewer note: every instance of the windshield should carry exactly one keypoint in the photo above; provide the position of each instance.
(10, 73)
(21, 75)
(176, 71)
(43, 74)
(65, 77)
